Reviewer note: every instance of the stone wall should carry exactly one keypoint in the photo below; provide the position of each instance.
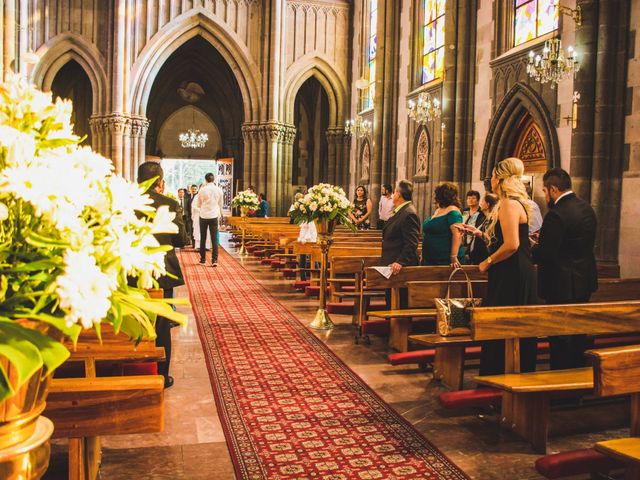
(630, 204)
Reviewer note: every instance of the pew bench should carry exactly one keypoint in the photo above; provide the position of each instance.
(525, 402)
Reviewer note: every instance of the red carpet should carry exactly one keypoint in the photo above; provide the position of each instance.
(289, 407)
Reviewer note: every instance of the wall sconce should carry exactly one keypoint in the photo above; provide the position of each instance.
(575, 14)
(573, 118)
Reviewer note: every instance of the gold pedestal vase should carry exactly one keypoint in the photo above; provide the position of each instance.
(243, 215)
(24, 434)
(325, 228)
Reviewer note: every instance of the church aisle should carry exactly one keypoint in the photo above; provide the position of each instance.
(193, 447)
(289, 407)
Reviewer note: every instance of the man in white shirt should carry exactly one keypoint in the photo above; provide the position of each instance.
(209, 202)
(535, 223)
(385, 207)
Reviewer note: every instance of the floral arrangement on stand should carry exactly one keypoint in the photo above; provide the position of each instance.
(73, 238)
(323, 202)
(246, 199)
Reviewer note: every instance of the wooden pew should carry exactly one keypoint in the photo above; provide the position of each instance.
(400, 327)
(84, 408)
(616, 371)
(450, 353)
(525, 403)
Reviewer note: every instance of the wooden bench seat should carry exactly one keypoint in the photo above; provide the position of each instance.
(541, 382)
(626, 450)
(404, 313)
(87, 407)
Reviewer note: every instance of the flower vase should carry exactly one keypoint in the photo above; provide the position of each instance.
(24, 433)
(325, 228)
(243, 216)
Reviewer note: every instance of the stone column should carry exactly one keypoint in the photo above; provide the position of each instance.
(331, 155)
(247, 138)
(8, 37)
(385, 116)
(346, 161)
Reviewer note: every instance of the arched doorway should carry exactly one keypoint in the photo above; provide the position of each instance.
(310, 149)
(73, 83)
(195, 88)
(529, 146)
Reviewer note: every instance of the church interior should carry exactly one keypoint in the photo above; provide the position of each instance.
(325, 200)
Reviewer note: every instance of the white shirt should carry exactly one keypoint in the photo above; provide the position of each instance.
(210, 201)
(535, 223)
(385, 208)
(563, 195)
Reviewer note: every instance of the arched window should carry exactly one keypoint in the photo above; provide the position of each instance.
(533, 18)
(372, 46)
(433, 40)
(422, 147)
(365, 160)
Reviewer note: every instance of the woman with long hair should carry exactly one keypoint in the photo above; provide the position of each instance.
(362, 209)
(442, 240)
(512, 279)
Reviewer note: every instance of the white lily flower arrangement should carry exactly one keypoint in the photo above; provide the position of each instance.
(323, 201)
(245, 199)
(73, 237)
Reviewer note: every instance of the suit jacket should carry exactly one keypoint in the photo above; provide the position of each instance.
(567, 269)
(400, 237)
(176, 240)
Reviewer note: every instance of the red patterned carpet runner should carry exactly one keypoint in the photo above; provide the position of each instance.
(289, 407)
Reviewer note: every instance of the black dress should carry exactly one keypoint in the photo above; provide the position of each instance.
(511, 282)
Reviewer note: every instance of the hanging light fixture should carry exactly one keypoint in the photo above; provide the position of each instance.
(193, 138)
(358, 127)
(552, 65)
(425, 110)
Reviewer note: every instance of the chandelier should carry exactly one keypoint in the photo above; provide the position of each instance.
(553, 65)
(425, 110)
(193, 139)
(358, 127)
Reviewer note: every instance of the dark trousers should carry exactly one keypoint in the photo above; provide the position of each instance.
(163, 339)
(404, 297)
(380, 224)
(493, 351)
(212, 225)
(567, 351)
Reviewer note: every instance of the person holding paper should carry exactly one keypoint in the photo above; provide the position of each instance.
(401, 234)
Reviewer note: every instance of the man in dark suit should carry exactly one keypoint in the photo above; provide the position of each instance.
(146, 171)
(401, 234)
(184, 200)
(567, 271)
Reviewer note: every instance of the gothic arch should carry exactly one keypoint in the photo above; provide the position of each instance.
(365, 159)
(58, 51)
(175, 34)
(328, 78)
(517, 103)
(421, 152)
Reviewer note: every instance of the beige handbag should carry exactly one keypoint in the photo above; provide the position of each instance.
(454, 314)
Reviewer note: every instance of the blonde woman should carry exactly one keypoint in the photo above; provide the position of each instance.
(512, 279)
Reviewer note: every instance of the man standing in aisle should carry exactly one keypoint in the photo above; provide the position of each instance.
(210, 204)
(147, 171)
(567, 270)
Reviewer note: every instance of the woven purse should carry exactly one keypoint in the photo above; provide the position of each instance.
(454, 315)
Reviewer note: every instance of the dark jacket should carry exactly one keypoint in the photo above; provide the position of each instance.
(176, 240)
(567, 269)
(400, 238)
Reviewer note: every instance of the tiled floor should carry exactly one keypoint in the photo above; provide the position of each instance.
(192, 445)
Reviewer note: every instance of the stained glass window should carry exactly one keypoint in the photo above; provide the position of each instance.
(534, 18)
(433, 39)
(371, 56)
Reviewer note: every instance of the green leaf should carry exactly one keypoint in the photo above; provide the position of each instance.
(35, 266)
(53, 353)
(21, 353)
(73, 331)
